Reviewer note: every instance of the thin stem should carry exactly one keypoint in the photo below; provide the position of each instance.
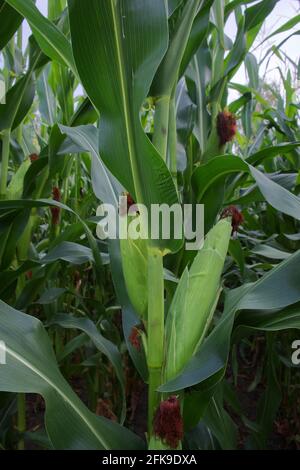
(161, 122)
(168, 73)
(155, 329)
(21, 403)
(66, 181)
(20, 37)
(172, 139)
(5, 160)
(77, 182)
(12, 47)
(201, 109)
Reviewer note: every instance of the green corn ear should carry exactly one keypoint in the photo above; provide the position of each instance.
(134, 262)
(195, 300)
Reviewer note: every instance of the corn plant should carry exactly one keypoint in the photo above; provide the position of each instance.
(131, 97)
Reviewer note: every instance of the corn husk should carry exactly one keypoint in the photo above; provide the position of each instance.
(195, 300)
(134, 263)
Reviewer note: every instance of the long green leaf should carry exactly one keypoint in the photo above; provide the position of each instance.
(136, 32)
(10, 21)
(277, 196)
(50, 39)
(105, 186)
(27, 203)
(197, 36)
(256, 14)
(168, 70)
(19, 99)
(265, 320)
(105, 346)
(285, 27)
(31, 368)
(73, 253)
(20, 96)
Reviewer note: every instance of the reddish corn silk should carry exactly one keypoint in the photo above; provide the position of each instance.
(237, 217)
(29, 275)
(55, 211)
(226, 127)
(33, 157)
(56, 193)
(134, 338)
(130, 202)
(168, 422)
(104, 408)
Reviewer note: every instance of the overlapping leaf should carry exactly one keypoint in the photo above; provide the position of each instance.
(10, 20)
(137, 34)
(31, 368)
(275, 290)
(218, 168)
(52, 42)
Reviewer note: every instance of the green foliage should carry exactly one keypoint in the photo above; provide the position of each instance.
(123, 96)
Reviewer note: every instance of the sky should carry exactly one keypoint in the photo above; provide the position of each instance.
(283, 11)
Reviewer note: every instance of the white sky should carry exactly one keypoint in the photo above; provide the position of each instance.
(284, 10)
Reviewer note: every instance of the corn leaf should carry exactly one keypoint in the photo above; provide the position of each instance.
(105, 186)
(276, 289)
(10, 21)
(137, 34)
(50, 39)
(105, 346)
(278, 197)
(31, 368)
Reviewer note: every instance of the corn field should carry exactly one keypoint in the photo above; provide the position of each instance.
(112, 338)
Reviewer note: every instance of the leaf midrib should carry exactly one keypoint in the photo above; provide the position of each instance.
(27, 364)
(125, 100)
